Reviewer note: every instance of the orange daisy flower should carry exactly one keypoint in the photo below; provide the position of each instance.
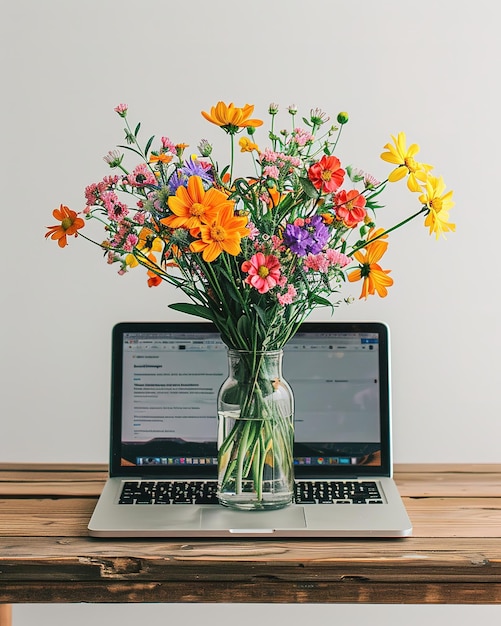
(70, 224)
(375, 278)
(192, 206)
(230, 117)
(223, 234)
(161, 158)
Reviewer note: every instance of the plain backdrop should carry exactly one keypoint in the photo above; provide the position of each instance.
(430, 69)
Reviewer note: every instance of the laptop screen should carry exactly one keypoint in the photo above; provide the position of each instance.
(166, 376)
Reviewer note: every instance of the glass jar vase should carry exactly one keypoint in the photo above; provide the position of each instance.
(255, 433)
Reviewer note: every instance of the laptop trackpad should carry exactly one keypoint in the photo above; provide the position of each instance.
(262, 522)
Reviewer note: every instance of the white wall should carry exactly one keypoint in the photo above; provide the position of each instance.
(429, 68)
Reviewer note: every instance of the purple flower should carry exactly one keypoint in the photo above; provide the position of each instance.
(194, 167)
(297, 239)
(320, 233)
(306, 237)
(178, 179)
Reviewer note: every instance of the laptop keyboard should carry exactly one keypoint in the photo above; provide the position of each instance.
(337, 492)
(169, 492)
(205, 492)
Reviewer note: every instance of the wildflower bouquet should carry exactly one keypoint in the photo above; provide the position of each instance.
(254, 254)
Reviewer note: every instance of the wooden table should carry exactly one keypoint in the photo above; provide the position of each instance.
(454, 555)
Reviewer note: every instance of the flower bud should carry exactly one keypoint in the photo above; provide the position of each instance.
(318, 117)
(121, 109)
(342, 117)
(204, 148)
(113, 158)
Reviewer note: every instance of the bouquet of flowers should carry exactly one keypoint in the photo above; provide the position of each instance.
(254, 254)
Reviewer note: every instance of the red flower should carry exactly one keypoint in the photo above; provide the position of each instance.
(327, 174)
(350, 207)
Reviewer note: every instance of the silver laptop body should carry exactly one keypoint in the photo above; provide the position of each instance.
(163, 448)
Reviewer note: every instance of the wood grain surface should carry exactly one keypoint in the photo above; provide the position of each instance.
(454, 555)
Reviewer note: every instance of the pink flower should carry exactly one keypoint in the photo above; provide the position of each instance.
(301, 137)
(116, 210)
(121, 109)
(263, 271)
(370, 181)
(278, 243)
(168, 145)
(253, 231)
(337, 258)
(130, 241)
(294, 161)
(140, 217)
(288, 296)
(111, 181)
(268, 155)
(93, 193)
(317, 263)
(271, 171)
(141, 176)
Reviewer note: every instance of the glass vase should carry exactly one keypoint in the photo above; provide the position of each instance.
(255, 433)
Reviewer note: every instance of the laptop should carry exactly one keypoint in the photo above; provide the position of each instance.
(163, 449)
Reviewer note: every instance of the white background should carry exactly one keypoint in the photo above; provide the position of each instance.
(430, 69)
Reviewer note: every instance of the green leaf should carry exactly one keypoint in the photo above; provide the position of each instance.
(148, 145)
(136, 131)
(192, 309)
(373, 206)
(376, 192)
(308, 188)
(261, 313)
(313, 297)
(286, 203)
(243, 327)
(131, 149)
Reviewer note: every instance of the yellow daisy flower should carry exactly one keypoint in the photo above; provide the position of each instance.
(246, 145)
(403, 157)
(439, 205)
